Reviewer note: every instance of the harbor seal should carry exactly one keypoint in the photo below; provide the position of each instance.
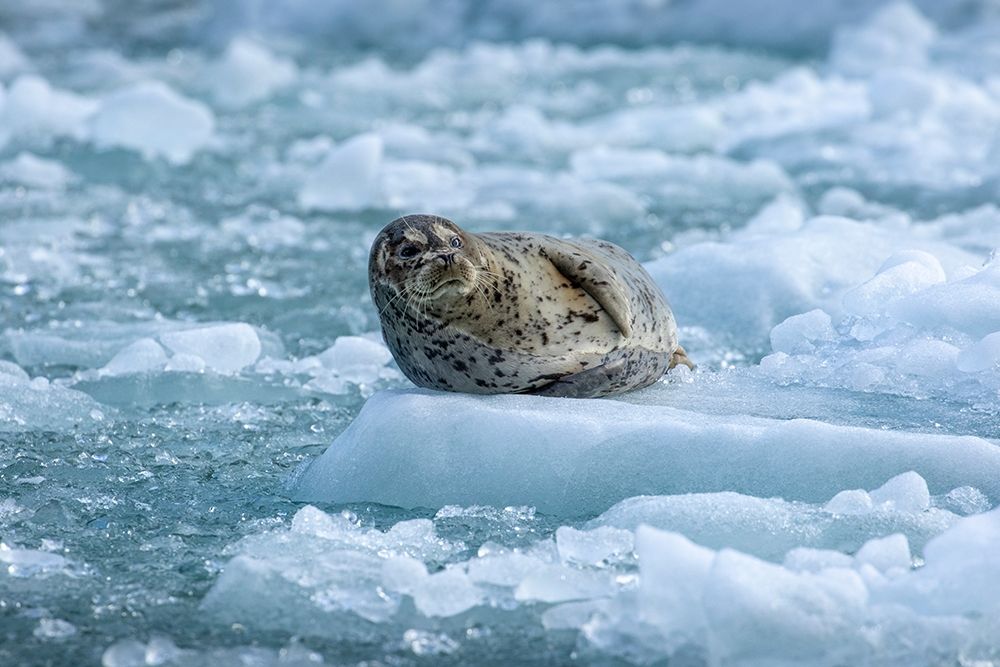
(516, 312)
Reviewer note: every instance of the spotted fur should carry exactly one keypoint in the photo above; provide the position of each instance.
(517, 312)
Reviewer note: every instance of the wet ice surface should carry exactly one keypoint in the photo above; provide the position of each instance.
(187, 204)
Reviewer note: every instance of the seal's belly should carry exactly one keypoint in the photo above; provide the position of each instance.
(452, 360)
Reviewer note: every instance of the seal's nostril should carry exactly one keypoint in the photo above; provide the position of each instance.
(447, 258)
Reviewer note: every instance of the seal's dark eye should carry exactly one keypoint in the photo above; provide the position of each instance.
(456, 242)
(408, 251)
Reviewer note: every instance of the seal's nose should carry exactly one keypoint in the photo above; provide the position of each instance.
(447, 258)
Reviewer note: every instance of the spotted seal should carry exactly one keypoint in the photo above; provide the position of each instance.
(495, 313)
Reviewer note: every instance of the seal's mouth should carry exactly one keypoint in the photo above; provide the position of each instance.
(448, 284)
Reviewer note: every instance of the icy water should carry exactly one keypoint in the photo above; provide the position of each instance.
(187, 199)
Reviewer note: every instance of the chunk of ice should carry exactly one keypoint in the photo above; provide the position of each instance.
(801, 333)
(247, 73)
(348, 178)
(226, 348)
(33, 171)
(572, 457)
(141, 356)
(152, 118)
(593, 547)
(885, 553)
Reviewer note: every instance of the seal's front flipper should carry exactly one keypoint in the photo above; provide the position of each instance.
(580, 266)
(680, 358)
(597, 381)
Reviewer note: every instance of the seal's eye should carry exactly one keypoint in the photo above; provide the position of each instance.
(456, 242)
(408, 251)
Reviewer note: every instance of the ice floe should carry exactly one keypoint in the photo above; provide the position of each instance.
(572, 458)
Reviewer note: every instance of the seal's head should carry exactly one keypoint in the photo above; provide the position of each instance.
(427, 259)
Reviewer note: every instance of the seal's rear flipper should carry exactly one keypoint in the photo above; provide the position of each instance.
(596, 381)
(680, 358)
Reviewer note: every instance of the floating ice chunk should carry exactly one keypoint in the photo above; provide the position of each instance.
(152, 118)
(27, 405)
(446, 593)
(31, 563)
(348, 178)
(904, 273)
(982, 356)
(854, 501)
(13, 370)
(965, 500)
(422, 642)
(896, 36)
(679, 129)
(36, 172)
(970, 305)
(226, 348)
(800, 333)
(503, 569)
(555, 583)
(771, 527)
(350, 352)
(798, 101)
(35, 109)
(756, 281)
(124, 653)
(756, 610)
(674, 572)
(141, 356)
(593, 547)
(783, 214)
(805, 559)
(851, 204)
(903, 493)
(906, 493)
(681, 177)
(247, 73)
(185, 363)
(54, 628)
(977, 230)
(351, 362)
(403, 574)
(421, 185)
(572, 457)
(885, 553)
(161, 650)
(961, 574)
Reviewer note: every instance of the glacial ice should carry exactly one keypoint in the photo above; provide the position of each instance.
(821, 490)
(347, 178)
(152, 118)
(572, 458)
(36, 404)
(247, 73)
(36, 172)
(722, 602)
(741, 289)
